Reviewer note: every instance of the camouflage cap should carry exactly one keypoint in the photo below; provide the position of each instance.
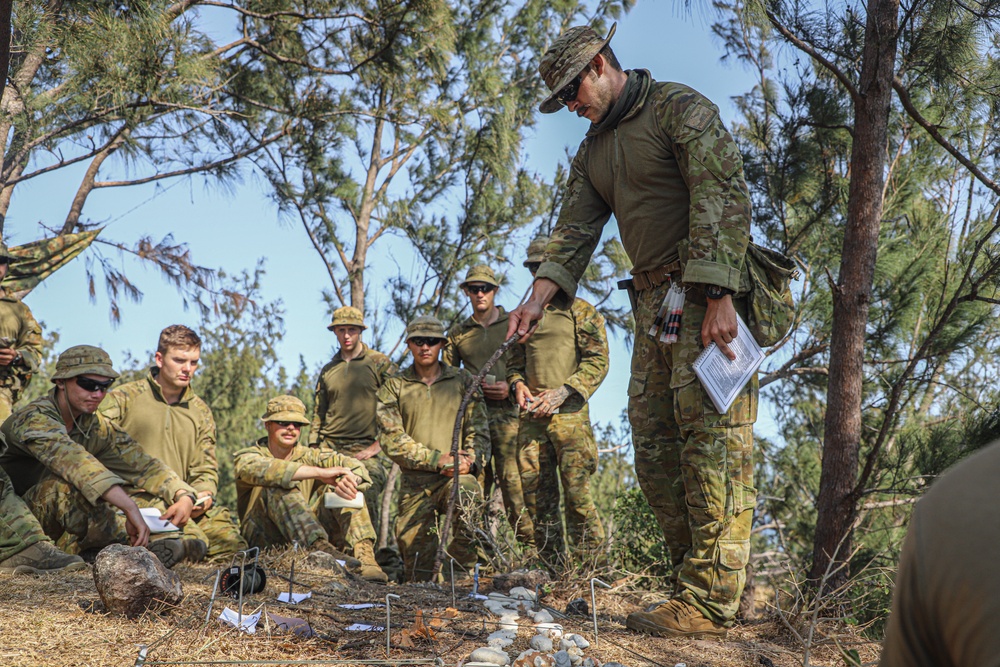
(348, 316)
(566, 58)
(480, 274)
(536, 250)
(425, 326)
(285, 409)
(83, 360)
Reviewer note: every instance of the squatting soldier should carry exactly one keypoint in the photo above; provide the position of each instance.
(658, 157)
(20, 342)
(24, 546)
(553, 375)
(72, 465)
(281, 487)
(344, 411)
(470, 345)
(170, 422)
(416, 415)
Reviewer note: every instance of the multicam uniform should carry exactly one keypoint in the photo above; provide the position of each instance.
(182, 435)
(672, 176)
(19, 330)
(416, 422)
(344, 417)
(274, 510)
(62, 475)
(569, 347)
(19, 528)
(470, 345)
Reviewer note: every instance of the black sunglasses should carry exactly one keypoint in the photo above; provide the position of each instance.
(287, 424)
(420, 341)
(571, 89)
(88, 384)
(480, 289)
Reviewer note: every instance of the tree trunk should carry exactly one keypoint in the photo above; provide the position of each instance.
(837, 503)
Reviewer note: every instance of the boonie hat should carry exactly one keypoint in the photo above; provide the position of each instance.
(480, 274)
(285, 409)
(425, 326)
(83, 360)
(566, 58)
(536, 250)
(347, 316)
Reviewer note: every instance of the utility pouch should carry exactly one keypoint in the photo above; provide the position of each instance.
(629, 286)
(770, 307)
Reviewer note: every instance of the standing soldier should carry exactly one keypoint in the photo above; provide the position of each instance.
(281, 489)
(20, 342)
(553, 375)
(71, 465)
(470, 344)
(170, 422)
(344, 411)
(416, 414)
(659, 158)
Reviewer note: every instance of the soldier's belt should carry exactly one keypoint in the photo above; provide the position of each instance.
(649, 279)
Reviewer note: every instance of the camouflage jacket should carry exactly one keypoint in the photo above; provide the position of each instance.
(669, 172)
(19, 330)
(417, 421)
(345, 397)
(256, 467)
(94, 456)
(569, 347)
(181, 434)
(470, 345)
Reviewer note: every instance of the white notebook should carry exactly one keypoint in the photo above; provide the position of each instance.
(724, 379)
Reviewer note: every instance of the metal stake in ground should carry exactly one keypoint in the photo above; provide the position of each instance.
(388, 621)
(455, 437)
(452, 565)
(593, 606)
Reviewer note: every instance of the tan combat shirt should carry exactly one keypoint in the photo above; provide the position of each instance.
(182, 435)
(345, 398)
(94, 456)
(470, 345)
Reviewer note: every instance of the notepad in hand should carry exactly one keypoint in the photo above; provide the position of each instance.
(331, 501)
(724, 379)
(151, 516)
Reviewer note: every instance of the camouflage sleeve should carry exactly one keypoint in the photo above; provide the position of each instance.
(327, 458)
(386, 369)
(592, 344)
(29, 342)
(578, 230)
(123, 456)
(115, 405)
(476, 426)
(516, 366)
(320, 403)
(397, 445)
(253, 467)
(203, 474)
(712, 167)
(449, 353)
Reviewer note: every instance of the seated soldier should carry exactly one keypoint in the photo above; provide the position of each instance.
(416, 416)
(281, 485)
(24, 547)
(70, 464)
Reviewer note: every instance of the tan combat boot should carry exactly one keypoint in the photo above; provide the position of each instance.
(370, 570)
(675, 618)
(41, 557)
(326, 547)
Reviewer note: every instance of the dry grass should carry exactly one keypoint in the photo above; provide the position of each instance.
(43, 622)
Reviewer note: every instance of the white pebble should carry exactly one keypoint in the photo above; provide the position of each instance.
(522, 593)
(490, 655)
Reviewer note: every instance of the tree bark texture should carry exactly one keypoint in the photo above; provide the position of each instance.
(837, 504)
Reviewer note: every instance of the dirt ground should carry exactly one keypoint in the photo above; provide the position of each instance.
(48, 620)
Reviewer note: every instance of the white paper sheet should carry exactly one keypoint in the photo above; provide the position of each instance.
(362, 627)
(360, 605)
(248, 625)
(151, 516)
(296, 597)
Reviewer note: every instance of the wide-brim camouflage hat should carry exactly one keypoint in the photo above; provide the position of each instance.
(285, 409)
(566, 58)
(425, 326)
(347, 316)
(536, 250)
(480, 274)
(83, 360)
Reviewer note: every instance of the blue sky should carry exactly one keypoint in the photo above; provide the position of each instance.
(233, 230)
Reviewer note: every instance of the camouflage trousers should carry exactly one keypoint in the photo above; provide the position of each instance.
(19, 528)
(560, 448)
(695, 466)
(69, 519)
(378, 469)
(423, 499)
(6, 403)
(284, 516)
(506, 471)
(216, 527)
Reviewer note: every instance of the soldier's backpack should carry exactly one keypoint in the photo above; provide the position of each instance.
(771, 308)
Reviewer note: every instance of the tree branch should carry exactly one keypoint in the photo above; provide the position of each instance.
(815, 55)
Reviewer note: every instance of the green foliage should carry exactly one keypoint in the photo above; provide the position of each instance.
(638, 546)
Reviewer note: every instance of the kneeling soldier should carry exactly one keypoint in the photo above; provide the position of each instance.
(280, 488)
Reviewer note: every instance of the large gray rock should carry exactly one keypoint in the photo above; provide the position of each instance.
(131, 581)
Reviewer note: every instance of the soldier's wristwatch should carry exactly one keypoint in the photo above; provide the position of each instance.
(717, 292)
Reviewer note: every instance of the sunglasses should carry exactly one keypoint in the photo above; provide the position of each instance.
(479, 289)
(571, 89)
(88, 384)
(296, 425)
(420, 341)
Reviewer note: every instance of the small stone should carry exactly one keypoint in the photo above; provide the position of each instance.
(496, 608)
(553, 630)
(578, 640)
(562, 659)
(540, 643)
(334, 586)
(566, 643)
(522, 593)
(490, 655)
(613, 664)
(542, 660)
(681, 664)
(500, 639)
(590, 662)
(542, 617)
(578, 607)
(131, 580)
